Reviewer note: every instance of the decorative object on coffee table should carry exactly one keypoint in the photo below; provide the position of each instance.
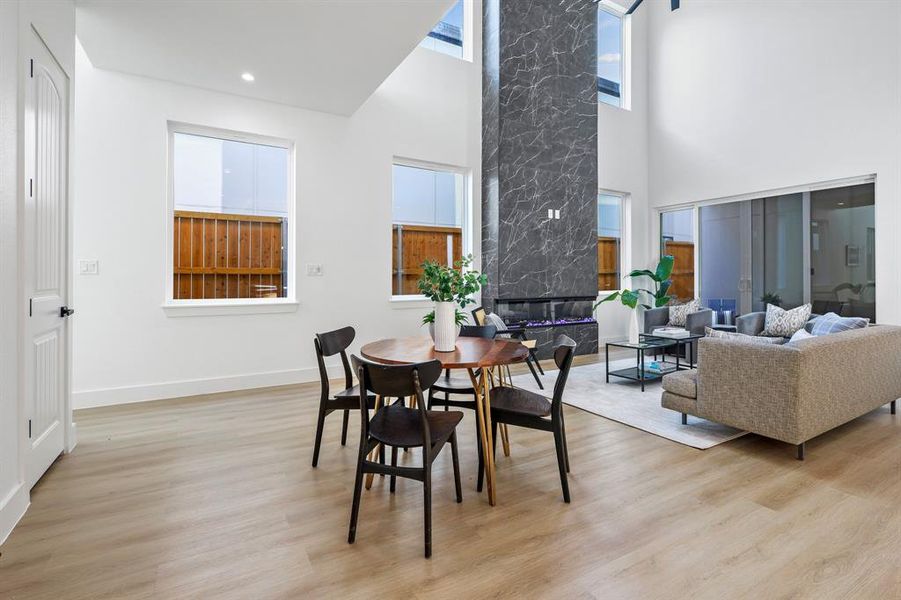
(450, 288)
(652, 299)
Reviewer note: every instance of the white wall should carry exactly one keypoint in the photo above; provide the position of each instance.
(54, 20)
(128, 348)
(623, 167)
(748, 96)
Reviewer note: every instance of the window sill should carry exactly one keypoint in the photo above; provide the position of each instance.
(401, 302)
(211, 308)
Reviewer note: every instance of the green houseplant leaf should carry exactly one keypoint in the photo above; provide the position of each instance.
(664, 268)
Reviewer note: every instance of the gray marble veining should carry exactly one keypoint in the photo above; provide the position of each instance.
(539, 148)
(539, 153)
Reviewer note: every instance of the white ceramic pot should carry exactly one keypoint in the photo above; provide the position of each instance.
(636, 323)
(445, 327)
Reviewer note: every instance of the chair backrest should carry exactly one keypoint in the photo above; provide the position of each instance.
(479, 331)
(396, 381)
(331, 343)
(478, 315)
(564, 348)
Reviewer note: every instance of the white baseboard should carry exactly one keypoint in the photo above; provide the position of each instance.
(12, 509)
(194, 387)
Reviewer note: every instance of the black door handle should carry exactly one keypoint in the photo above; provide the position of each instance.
(65, 311)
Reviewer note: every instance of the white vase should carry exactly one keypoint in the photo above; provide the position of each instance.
(445, 337)
(636, 322)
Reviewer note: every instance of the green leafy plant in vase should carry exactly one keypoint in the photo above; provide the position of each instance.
(641, 299)
(451, 289)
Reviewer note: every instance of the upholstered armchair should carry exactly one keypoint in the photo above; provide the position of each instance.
(695, 322)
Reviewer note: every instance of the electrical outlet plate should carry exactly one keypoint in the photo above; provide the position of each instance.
(88, 267)
(314, 270)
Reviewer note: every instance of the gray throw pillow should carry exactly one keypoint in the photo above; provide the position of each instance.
(832, 323)
(741, 337)
(784, 323)
(678, 313)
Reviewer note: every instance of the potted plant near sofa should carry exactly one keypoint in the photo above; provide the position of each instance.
(641, 299)
(451, 289)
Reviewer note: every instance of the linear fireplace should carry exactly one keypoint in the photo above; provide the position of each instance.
(546, 318)
(545, 312)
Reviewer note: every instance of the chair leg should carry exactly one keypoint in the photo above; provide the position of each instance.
(537, 362)
(393, 464)
(801, 451)
(561, 462)
(534, 374)
(893, 406)
(427, 507)
(355, 507)
(344, 428)
(457, 484)
(563, 435)
(320, 424)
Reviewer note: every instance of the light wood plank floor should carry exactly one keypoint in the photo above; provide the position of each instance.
(214, 497)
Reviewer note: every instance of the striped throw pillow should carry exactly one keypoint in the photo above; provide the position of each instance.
(832, 323)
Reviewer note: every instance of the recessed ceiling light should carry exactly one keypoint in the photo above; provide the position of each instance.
(247, 76)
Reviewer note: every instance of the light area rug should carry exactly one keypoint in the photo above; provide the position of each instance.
(623, 401)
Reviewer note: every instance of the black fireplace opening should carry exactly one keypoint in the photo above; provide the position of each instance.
(546, 312)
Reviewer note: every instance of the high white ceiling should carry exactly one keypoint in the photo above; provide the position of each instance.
(327, 55)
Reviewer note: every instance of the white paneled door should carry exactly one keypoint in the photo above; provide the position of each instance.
(46, 258)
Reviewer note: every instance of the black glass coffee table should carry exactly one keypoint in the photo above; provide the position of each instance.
(638, 372)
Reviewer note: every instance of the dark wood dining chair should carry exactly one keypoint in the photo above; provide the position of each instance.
(522, 408)
(397, 426)
(459, 384)
(480, 317)
(328, 344)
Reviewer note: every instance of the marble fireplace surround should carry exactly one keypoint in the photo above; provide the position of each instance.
(540, 155)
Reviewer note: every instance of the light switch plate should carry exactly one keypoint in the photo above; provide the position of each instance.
(550, 213)
(314, 270)
(88, 267)
(557, 213)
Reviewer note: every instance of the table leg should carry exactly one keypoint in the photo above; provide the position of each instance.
(607, 361)
(483, 415)
(505, 435)
(374, 455)
(641, 367)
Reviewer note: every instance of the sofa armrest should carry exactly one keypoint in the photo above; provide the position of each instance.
(697, 321)
(751, 323)
(655, 317)
(750, 386)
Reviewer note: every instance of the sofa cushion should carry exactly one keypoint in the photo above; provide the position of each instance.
(799, 335)
(832, 323)
(683, 383)
(741, 337)
(784, 323)
(678, 313)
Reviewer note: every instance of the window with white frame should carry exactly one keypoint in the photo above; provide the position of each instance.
(611, 213)
(610, 49)
(428, 221)
(448, 35)
(229, 214)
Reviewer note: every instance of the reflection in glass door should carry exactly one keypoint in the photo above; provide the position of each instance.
(842, 251)
(677, 240)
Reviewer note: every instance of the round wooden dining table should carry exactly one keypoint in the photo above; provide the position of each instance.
(471, 354)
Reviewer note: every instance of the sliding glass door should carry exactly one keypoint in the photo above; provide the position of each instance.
(843, 251)
(786, 250)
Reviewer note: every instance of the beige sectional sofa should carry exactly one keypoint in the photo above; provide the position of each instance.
(790, 392)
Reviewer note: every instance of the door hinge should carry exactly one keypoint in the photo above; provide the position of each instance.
(30, 306)
(31, 188)
(31, 67)
(29, 429)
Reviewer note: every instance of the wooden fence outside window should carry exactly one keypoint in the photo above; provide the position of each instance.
(683, 276)
(608, 264)
(228, 256)
(414, 244)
